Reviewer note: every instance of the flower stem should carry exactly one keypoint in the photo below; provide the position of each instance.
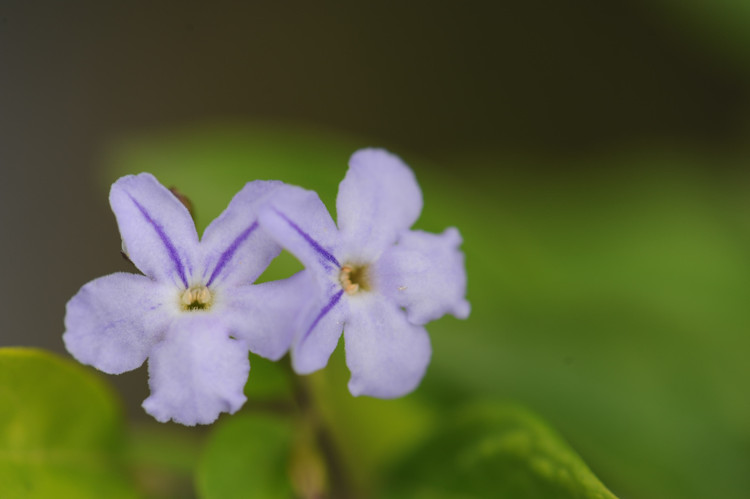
(339, 480)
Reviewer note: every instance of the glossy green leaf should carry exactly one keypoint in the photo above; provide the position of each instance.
(247, 456)
(60, 430)
(496, 451)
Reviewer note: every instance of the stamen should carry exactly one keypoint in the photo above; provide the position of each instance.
(354, 278)
(196, 298)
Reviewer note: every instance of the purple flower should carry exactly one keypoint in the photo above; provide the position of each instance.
(194, 314)
(376, 280)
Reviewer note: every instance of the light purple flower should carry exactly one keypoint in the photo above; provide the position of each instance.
(377, 281)
(194, 314)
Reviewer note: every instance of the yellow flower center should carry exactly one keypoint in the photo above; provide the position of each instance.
(196, 298)
(354, 278)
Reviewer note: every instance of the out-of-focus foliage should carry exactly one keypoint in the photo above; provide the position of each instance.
(371, 434)
(163, 458)
(612, 298)
(60, 430)
(247, 456)
(503, 449)
(609, 295)
(721, 23)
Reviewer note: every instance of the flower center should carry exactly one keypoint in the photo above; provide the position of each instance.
(354, 278)
(196, 298)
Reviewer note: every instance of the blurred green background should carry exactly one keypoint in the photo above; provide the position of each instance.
(593, 156)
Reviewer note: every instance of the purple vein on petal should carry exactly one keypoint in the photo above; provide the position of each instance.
(229, 253)
(332, 303)
(164, 239)
(312, 242)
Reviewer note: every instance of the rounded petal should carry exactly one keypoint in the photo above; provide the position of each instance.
(378, 198)
(425, 274)
(235, 249)
(266, 316)
(113, 322)
(300, 222)
(196, 373)
(320, 332)
(386, 354)
(158, 234)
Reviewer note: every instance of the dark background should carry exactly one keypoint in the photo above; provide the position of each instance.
(528, 78)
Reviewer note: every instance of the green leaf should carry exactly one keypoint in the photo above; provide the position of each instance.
(60, 430)
(246, 456)
(496, 451)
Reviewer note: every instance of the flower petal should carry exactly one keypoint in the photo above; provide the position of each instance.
(386, 354)
(266, 316)
(157, 232)
(299, 221)
(425, 273)
(378, 198)
(320, 332)
(113, 322)
(196, 373)
(236, 250)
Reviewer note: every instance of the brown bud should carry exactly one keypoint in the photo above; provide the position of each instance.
(184, 200)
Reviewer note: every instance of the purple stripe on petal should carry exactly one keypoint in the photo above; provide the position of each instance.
(229, 253)
(334, 300)
(317, 247)
(164, 239)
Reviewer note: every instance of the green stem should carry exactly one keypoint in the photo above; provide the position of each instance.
(340, 483)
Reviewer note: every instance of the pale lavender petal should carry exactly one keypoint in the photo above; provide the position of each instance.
(425, 274)
(320, 332)
(378, 198)
(236, 250)
(299, 221)
(113, 321)
(157, 231)
(266, 316)
(386, 354)
(196, 372)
